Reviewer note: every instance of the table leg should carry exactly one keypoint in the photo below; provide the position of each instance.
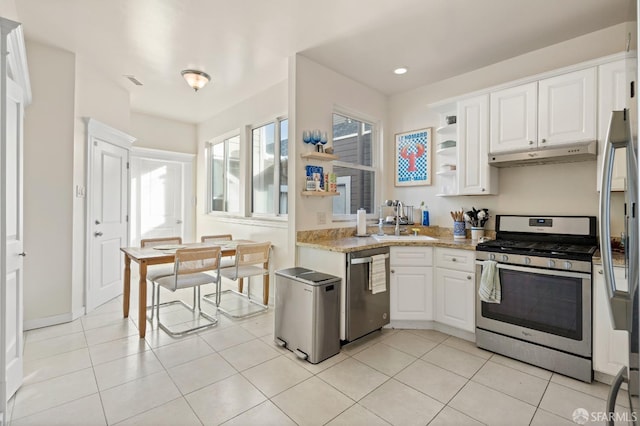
(142, 300)
(127, 286)
(265, 286)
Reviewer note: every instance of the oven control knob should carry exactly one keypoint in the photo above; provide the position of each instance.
(527, 261)
(552, 263)
(567, 265)
(505, 258)
(492, 256)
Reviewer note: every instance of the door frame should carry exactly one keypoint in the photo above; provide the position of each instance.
(187, 162)
(106, 133)
(13, 61)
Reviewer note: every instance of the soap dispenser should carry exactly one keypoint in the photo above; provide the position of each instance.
(425, 214)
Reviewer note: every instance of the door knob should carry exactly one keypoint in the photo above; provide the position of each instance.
(97, 234)
(23, 254)
(178, 221)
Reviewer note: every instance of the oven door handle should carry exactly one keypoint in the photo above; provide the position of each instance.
(554, 272)
(618, 136)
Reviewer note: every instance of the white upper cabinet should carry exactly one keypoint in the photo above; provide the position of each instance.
(513, 118)
(613, 95)
(554, 111)
(475, 176)
(567, 108)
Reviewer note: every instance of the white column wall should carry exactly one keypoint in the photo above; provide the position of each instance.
(48, 184)
(318, 92)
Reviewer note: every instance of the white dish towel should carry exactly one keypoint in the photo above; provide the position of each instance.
(490, 290)
(378, 274)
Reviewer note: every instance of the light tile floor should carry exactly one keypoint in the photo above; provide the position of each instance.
(96, 371)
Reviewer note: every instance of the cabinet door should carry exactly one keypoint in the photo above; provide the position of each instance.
(513, 118)
(455, 298)
(610, 347)
(475, 176)
(613, 95)
(411, 293)
(567, 108)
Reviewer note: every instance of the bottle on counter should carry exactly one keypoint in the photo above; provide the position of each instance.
(425, 214)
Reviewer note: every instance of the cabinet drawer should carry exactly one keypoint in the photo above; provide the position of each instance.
(411, 256)
(460, 260)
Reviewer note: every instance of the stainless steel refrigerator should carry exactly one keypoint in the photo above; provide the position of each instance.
(623, 305)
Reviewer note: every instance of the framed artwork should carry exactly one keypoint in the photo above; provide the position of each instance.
(413, 157)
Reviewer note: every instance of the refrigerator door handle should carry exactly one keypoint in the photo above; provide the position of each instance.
(620, 378)
(618, 136)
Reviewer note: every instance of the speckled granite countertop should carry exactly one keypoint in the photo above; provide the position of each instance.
(618, 258)
(351, 244)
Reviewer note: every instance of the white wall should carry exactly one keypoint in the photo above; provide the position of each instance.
(8, 10)
(48, 183)
(162, 133)
(264, 106)
(318, 92)
(546, 189)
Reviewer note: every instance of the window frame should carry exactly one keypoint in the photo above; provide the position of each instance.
(376, 148)
(277, 122)
(208, 153)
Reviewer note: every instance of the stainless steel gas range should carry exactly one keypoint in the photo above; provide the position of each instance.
(544, 314)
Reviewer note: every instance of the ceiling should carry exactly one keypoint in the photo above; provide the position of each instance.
(245, 44)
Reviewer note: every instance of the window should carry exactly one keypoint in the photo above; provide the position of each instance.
(269, 160)
(224, 175)
(355, 172)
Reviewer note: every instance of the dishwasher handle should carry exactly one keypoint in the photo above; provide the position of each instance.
(369, 259)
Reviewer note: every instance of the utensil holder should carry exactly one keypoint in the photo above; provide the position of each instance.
(459, 230)
(477, 232)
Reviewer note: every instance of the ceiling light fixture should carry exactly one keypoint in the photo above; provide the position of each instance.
(401, 70)
(196, 79)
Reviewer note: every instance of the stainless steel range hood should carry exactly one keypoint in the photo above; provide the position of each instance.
(585, 151)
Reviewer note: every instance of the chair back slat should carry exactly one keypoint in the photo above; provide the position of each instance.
(216, 238)
(154, 242)
(198, 259)
(252, 253)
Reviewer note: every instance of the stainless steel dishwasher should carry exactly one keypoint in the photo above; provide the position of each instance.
(365, 311)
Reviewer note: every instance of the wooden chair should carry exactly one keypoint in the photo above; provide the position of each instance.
(251, 259)
(193, 267)
(157, 271)
(226, 261)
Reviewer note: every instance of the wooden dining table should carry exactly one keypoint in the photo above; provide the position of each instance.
(147, 256)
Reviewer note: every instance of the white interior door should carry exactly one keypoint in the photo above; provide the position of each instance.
(107, 216)
(12, 290)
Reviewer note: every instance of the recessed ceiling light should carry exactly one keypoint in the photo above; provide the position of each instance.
(401, 70)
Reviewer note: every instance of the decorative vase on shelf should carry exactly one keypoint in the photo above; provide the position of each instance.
(477, 232)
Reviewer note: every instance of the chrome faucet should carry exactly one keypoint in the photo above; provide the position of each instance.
(399, 211)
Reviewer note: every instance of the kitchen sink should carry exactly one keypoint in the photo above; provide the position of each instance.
(403, 238)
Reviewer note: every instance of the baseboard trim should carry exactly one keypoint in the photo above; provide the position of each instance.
(432, 325)
(53, 320)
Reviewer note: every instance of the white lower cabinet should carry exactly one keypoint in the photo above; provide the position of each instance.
(411, 283)
(610, 347)
(455, 288)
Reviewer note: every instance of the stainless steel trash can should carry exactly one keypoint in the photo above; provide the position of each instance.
(307, 313)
